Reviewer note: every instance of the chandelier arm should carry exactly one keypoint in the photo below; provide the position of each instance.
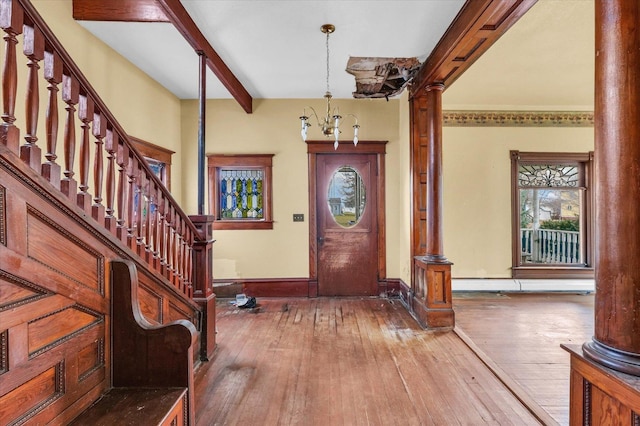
(314, 114)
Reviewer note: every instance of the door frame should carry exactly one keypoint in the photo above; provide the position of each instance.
(378, 148)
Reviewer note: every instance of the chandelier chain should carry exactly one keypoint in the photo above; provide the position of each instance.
(327, 43)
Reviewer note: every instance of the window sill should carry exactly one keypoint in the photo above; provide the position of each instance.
(240, 224)
(552, 272)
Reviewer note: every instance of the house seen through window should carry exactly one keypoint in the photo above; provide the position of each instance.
(552, 211)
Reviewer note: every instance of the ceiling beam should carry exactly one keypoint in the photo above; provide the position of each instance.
(119, 10)
(190, 31)
(165, 11)
(479, 24)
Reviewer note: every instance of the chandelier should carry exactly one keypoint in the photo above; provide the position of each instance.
(330, 123)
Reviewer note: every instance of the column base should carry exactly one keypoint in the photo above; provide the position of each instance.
(432, 299)
(208, 327)
(615, 359)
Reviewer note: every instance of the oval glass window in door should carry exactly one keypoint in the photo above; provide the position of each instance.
(347, 196)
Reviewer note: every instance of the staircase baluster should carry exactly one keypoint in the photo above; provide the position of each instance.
(123, 188)
(33, 49)
(11, 18)
(85, 113)
(110, 221)
(99, 132)
(53, 74)
(140, 203)
(131, 202)
(70, 95)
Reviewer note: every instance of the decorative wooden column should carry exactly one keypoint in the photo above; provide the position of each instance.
(617, 157)
(203, 283)
(432, 271)
(600, 394)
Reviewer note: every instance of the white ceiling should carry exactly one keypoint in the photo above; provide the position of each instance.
(275, 47)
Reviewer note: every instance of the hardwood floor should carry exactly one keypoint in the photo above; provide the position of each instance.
(346, 361)
(520, 335)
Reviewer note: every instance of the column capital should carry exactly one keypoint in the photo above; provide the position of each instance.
(431, 87)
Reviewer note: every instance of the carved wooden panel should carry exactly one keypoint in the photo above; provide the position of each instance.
(33, 396)
(77, 261)
(176, 312)
(15, 291)
(58, 327)
(600, 395)
(90, 358)
(419, 139)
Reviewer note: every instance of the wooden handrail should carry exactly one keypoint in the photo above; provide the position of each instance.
(141, 212)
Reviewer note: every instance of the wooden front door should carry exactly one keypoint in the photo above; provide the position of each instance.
(347, 224)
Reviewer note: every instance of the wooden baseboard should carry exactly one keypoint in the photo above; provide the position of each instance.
(289, 287)
(263, 287)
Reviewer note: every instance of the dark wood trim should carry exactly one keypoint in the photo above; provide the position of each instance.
(190, 31)
(289, 287)
(418, 107)
(119, 10)
(479, 24)
(158, 153)
(268, 287)
(542, 272)
(346, 147)
(364, 147)
(553, 271)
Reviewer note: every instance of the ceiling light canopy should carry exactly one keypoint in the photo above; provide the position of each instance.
(330, 123)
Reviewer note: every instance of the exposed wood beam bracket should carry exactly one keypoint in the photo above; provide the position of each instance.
(190, 31)
(479, 24)
(165, 11)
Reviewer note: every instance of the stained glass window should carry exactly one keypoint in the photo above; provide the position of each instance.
(239, 191)
(549, 175)
(241, 194)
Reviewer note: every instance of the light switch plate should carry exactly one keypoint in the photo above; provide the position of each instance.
(298, 217)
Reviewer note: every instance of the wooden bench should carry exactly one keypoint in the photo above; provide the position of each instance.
(136, 407)
(152, 365)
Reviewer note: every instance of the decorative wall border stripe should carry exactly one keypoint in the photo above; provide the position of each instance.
(517, 118)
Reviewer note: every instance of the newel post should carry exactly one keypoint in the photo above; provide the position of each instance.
(203, 283)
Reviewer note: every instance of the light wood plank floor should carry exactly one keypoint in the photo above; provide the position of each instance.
(521, 333)
(346, 361)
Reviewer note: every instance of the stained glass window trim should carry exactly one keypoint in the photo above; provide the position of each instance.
(544, 175)
(557, 173)
(240, 191)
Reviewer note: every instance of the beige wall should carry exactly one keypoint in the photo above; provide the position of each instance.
(540, 64)
(143, 107)
(274, 128)
(477, 185)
